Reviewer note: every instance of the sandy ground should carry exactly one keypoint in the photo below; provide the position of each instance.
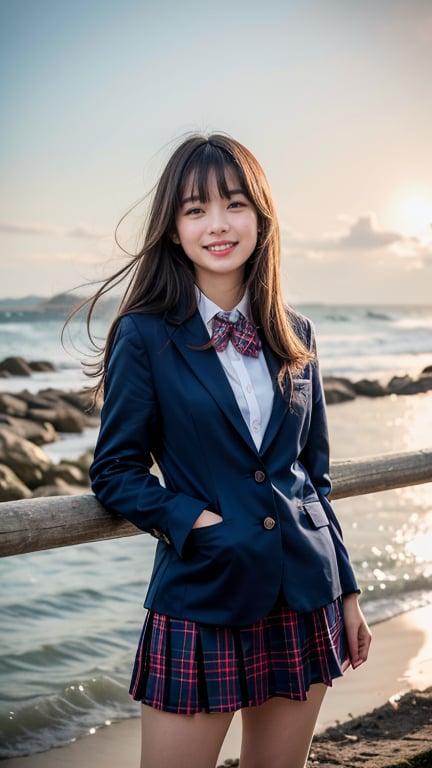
(396, 735)
(400, 661)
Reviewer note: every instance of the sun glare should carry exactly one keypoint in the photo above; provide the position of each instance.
(415, 215)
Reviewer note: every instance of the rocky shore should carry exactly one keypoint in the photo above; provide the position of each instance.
(30, 421)
(338, 389)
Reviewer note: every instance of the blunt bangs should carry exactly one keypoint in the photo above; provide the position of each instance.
(206, 159)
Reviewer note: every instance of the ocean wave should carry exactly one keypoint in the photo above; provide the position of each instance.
(384, 608)
(374, 315)
(76, 709)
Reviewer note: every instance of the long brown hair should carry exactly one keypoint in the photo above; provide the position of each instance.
(161, 277)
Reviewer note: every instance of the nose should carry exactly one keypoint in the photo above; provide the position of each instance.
(217, 221)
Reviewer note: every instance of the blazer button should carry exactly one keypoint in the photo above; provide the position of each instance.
(260, 476)
(269, 523)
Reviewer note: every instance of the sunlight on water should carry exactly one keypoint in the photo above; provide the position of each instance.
(416, 538)
(421, 548)
(389, 534)
(415, 424)
(368, 426)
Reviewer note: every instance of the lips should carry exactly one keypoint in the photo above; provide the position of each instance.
(221, 247)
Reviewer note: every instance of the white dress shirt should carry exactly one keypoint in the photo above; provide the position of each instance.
(248, 376)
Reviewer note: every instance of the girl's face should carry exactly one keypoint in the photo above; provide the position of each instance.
(219, 235)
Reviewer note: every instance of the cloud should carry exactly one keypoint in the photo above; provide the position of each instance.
(26, 229)
(410, 252)
(362, 234)
(66, 257)
(84, 233)
(80, 232)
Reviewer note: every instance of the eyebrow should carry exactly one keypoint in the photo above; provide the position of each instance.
(193, 198)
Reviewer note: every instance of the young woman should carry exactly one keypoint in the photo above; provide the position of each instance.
(252, 603)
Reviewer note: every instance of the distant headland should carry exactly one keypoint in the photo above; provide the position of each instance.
(57, 307)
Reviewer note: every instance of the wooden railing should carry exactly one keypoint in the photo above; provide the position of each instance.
(29, 525)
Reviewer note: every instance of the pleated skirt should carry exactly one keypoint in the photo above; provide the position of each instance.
(186, 667)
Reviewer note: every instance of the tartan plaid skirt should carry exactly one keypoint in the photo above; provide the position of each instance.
(186, 667)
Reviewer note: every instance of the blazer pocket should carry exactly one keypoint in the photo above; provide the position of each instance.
(301, 392)
(301, 383)
(206, 532)
(315, 513)
(212, 543)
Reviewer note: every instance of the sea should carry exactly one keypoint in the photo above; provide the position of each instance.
(71, 617)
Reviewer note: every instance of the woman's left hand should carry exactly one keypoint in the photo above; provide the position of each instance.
(357, 631)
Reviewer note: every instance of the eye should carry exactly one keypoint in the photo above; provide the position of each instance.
(193, 211)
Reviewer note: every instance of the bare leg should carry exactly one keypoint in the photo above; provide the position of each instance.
(181, 741)
(279, 732)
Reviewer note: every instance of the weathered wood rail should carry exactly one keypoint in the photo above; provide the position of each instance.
(35, 524)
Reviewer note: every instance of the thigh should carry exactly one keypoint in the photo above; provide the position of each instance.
(181, 741)
(279, 732)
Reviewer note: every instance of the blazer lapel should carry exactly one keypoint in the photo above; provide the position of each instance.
(280, 405)
(189, 338)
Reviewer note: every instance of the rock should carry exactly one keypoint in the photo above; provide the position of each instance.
(40, 414)
(369, 388)
(11, 487)
(4, 375)
(41, 366)
(338, 390)
(51, 395)
(85, 460)
(64, 418)
(405, 385)
(67, 472)
(428, 369)
(15, 366)
(416, 386)
(423, 383)
(27, 460)
(59, 488)
(49, 405)
(38, 433)
(397, 383)
(39, 400)
(12, 406)
(82, 401)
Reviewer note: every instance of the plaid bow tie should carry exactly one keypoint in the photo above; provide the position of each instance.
(243, 335)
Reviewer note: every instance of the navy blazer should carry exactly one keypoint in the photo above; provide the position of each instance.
(170, 402)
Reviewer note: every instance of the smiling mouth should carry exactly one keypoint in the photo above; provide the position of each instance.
(220, 247)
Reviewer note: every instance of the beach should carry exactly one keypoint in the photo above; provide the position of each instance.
(400, 661)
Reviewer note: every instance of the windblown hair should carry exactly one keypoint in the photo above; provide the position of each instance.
(161, 277)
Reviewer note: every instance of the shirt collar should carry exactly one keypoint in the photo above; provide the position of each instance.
(208, 309)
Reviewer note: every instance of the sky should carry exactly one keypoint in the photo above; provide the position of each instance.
(332, 96)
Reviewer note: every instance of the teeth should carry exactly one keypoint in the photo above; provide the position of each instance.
(219, 247)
